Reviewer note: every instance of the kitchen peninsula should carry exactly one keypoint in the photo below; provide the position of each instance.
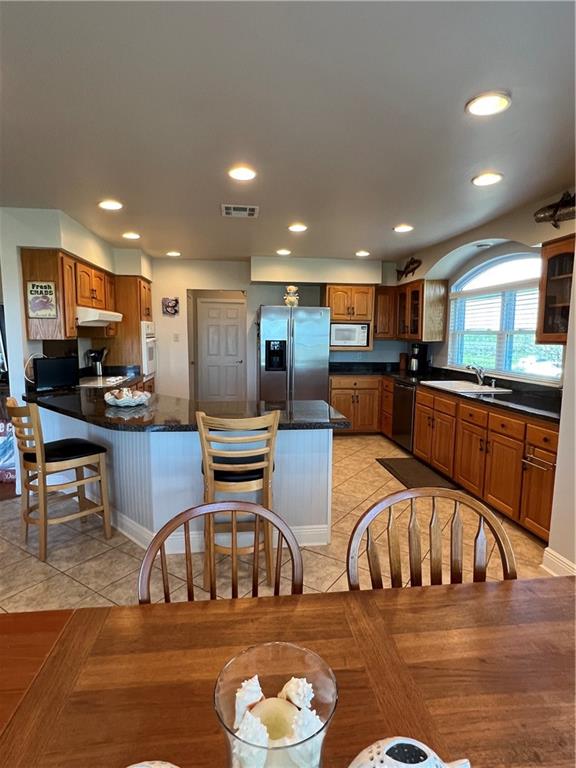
(155, 457)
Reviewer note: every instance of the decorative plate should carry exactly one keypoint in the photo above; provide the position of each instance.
(126, 398)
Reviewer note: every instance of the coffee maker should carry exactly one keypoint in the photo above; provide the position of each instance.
(418, 363)
(95, 358)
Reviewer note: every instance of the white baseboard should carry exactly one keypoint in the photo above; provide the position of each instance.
(557, 564)
(306, 535)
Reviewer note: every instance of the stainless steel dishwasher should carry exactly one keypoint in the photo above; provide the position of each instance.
(403, 415)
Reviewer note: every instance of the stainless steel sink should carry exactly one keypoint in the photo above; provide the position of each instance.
(466, 387)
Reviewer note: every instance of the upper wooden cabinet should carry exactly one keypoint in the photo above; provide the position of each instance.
(385, 313)
(555, 290)
(350, 303)
(145, 291)
(49, 269)
(90, 286)
(110, 294)
(421, 308)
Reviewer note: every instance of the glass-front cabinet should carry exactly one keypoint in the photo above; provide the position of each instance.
(555, 290)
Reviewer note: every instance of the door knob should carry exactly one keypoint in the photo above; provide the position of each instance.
(239, 361)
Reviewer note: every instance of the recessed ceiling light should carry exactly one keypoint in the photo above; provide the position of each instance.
(297, 227)
(362, 253)
(131, 236)
(283, 252)
(403, 228)
(173, 253)
(242, 173)
(110, 205)
(489, 103)
(487, 179)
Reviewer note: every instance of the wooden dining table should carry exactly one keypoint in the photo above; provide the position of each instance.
(483, 671)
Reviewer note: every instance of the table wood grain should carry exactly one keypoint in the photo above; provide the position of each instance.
(484, 671)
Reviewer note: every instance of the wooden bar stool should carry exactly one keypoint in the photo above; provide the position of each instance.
(38, 460)
(230, 465)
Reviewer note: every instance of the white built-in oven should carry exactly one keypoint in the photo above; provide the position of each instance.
(148, 340)
(349, 334)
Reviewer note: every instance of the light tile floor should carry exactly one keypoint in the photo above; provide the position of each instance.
(84, 569)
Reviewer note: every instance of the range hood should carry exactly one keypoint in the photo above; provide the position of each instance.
(91, 317)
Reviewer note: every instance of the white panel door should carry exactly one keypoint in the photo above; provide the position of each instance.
(221, 350)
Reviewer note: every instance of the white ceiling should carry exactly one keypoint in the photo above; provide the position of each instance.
(352, 113)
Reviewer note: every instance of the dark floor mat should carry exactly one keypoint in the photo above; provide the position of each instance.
(413, 474)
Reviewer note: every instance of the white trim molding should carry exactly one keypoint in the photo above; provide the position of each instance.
(557, 564)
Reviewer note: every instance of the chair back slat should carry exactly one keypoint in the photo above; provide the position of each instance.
(189, 566)
(234, 555)
(27, 429)
(480, 552)
(373, 561)
(207, 512)
(415, 547)
(435, 546)
(456, 546)
(394, 551)
(256, 557)
(488, 519)
(215, 438)
(211, 558)
(278, 568)
(165, 577)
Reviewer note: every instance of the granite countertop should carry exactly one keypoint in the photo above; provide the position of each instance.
(529, 399)
(176, 414)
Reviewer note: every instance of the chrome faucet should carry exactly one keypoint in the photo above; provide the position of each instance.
(479, 371)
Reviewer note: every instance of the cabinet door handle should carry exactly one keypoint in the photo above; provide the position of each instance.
(481, 445)
(487, 446)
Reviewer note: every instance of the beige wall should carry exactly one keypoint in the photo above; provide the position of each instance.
(290, 270)
(441, 261)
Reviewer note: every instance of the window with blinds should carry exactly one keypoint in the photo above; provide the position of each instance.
(493, 325)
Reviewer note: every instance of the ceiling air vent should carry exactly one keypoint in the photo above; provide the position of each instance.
(240, 211)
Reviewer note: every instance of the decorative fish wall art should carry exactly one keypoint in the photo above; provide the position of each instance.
(409, 268)
(562, 210)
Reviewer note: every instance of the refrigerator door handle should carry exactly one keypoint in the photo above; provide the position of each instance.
(291, 366)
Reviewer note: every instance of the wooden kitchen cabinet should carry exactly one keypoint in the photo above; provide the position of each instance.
(145, 290)
(350, 303)
(149, 385)
(357, 398)
(90, 286)
(422, 443)
(503, 479)
(110, 293)
(367, 410)
(443, 442)
(385, 313)
(538, 471)
(421, 308)
(68, 273)
(555, 290)
(470, 457)
(46, 266)
(435, 431)
(386, 405)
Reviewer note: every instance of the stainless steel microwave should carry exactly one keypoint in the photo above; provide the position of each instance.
(349, 334)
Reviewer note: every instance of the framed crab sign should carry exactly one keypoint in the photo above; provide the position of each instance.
(41, 299)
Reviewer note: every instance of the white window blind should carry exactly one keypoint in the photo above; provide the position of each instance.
(495, 328)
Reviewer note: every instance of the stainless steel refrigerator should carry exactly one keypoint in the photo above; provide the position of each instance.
(293, 349)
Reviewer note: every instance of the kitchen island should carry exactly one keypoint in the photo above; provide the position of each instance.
(154, 458)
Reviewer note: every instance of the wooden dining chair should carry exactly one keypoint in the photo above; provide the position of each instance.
(235, 463)
(39, 460)
(458, 502)
(207, 512)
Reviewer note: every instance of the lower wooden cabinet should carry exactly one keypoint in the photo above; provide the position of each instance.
(367, 410)
(149, 385)
(422, 444)
(503, 478)
(443, 440)
(470, 457)
(360, 403)
(434, 437)
(538, 470)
